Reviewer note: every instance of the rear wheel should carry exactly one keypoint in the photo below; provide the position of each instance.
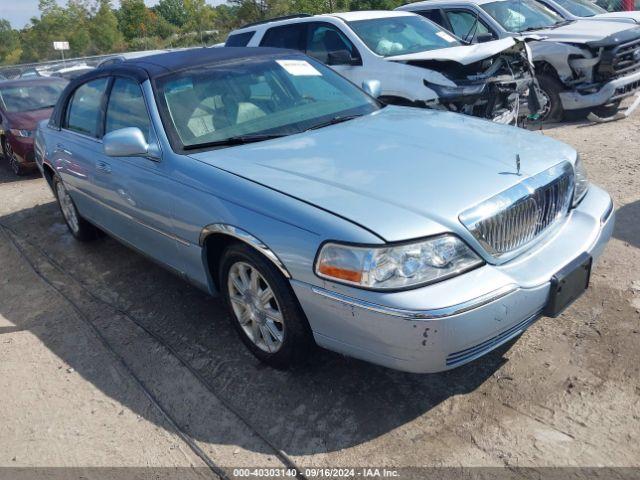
(549, 92)
(78, 226)
(264, 310)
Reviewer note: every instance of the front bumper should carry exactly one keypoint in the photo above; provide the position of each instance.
(442, 326)
(612, 91)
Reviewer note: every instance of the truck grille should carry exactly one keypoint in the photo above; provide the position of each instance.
(513, 219)
(619, 61)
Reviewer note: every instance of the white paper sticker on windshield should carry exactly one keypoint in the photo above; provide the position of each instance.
(446, 36)
(299, 68)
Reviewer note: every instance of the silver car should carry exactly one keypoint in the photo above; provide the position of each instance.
(415, 239)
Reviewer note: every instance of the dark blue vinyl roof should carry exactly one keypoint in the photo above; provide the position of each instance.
(162, 63)
(152, 66)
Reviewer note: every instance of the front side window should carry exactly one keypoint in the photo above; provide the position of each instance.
(286, 36)
(84, 111)
(239, 39)
(210, 105)
(521, 15)
(401, 35)
(581, 8)
(26, 98)
(126, 107)
(434, 15)
(466, 25)
(323, 39)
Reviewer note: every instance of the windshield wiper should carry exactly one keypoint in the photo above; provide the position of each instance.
(236, 140)
(562, 23)
(333, 121)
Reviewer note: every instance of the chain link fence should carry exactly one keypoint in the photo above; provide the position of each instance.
(619, 5)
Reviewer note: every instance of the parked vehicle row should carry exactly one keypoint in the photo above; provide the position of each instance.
(416, 62)
(580, 65)
(469, 56)
(413, 238)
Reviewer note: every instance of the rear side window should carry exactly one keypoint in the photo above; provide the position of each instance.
(435, 16)
(239, 39)
(286, 36)
(126, 107)
(466, 24)
(85, 108)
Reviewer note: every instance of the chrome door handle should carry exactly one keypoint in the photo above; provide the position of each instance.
(104, 167)
(60, 148)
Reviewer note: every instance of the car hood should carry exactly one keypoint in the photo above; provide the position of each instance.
(401, 172)
(28, 120)
(583, 31)
(464, 54)
(613, 16)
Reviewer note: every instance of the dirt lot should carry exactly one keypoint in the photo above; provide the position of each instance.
(108, 360)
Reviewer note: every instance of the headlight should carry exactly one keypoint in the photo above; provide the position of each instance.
(581, 181)
(396, 267)
(21, 133)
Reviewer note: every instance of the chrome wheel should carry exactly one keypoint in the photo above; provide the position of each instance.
(67, 207)
(13, 161)
(545, 103)
(255, 307)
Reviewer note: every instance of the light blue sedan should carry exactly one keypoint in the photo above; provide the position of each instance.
(415, 239)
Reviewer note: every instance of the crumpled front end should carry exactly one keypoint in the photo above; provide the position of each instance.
(499, 88)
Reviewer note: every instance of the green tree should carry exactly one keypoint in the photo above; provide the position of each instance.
(133, 19)
(10, 48)
(200, 17)
(104, 28)
(173, 11)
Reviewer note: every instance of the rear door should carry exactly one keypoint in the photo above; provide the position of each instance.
(78, 147)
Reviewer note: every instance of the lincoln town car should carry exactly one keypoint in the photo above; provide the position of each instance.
(415, 239)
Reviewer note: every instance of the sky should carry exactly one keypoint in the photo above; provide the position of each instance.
(19, 12)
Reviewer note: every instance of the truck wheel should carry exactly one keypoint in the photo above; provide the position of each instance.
(78, 226)
(549, 92)
(264, 311)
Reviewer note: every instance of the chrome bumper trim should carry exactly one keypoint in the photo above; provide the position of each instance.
(429, 314)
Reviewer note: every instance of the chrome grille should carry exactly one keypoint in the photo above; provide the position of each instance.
(619, 60)
(511, 220)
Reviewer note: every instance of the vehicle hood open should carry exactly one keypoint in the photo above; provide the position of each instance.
(402, 173)
(463, 54)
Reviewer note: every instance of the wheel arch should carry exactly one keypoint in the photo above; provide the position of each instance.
(214, 238)
(48, 173)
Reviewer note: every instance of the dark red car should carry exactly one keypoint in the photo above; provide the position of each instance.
(23, 103)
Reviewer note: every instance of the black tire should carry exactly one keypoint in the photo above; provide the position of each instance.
(84, 231)
(297, 343)
(551, 88)
(10, 157)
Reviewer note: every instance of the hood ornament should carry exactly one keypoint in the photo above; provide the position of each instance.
(518, 164)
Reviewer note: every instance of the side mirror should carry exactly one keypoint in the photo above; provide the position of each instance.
(372, 87)
(484, 37)
(340, 57)
(125, 142)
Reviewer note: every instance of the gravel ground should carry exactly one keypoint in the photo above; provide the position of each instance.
(106, 360)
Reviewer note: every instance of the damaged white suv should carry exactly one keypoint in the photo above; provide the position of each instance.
(413, 61)
(580, 64)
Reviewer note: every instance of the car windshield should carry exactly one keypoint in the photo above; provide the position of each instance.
(522, 15)
(24, 98)
(581, 8)
(401, 35)
(249, 100)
